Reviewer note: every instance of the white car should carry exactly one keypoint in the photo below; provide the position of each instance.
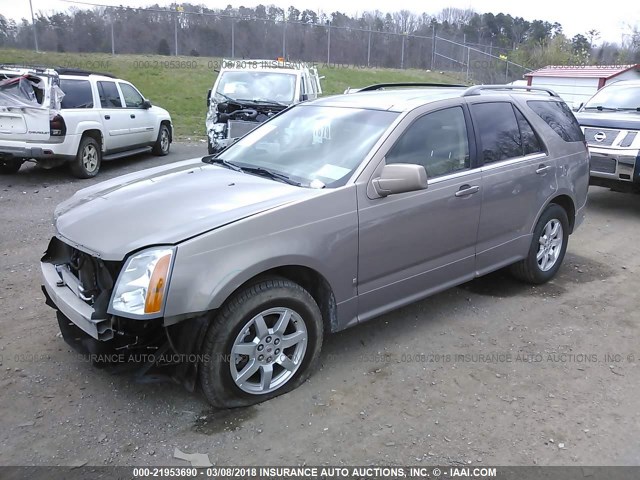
(249, 92)
(71, 116)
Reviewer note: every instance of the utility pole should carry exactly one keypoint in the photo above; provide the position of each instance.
(33, 22)
(179, 9)
(369, 50)
(404, 34)
(284, 39)
(433, 47)
(113, 45)
(328, 43)
(233, 39)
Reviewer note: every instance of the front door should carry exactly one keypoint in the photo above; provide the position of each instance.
(414, 244)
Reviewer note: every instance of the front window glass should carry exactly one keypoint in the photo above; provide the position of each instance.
(312, 143)
(256, 86)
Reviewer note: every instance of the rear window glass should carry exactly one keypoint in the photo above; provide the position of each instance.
(559, 117)
(499, 131)
(77, 94)
(109, 96)
(530, 142)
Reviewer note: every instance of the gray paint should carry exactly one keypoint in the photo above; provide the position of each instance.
(377, 253)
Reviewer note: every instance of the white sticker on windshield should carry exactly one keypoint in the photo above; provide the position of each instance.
(332, 172)
(321, 132)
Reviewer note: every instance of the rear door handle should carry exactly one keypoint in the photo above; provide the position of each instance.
(107, 117)
(467, 190)
(542, 168)
(132, 116)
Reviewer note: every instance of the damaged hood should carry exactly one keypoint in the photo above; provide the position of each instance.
(165, 205)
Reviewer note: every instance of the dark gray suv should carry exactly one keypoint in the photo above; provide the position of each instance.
(232, 269)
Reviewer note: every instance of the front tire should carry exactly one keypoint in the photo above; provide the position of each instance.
(548, 247)
(264, 342)
(88, 159)
(11, 166)
(163, 142)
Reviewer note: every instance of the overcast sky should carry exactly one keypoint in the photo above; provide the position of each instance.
(613, 19)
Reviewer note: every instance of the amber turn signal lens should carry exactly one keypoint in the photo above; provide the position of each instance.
(157, 284)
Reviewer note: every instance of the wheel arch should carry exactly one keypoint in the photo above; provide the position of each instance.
(568, 205)
(308, 278)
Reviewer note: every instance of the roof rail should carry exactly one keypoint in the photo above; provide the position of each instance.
(58, 70)
(477, 89)
(380, 86)
(25, 66)
(80, 72)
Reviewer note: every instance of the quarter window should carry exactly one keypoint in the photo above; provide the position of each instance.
(109, 96)
(437, 141)
(132, 97)
(77, 94)
(559, 117)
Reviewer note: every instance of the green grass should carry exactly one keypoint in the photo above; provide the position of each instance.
(180, 84)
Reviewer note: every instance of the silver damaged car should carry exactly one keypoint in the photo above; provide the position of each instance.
(229, 271)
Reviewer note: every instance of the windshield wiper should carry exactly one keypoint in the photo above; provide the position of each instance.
(226, 96)
(252, 170)
(271, 174)
(599, 108)
(628, 109)
(263, 100)
(221, 161)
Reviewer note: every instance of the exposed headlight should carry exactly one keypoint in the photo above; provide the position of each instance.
(142, 284)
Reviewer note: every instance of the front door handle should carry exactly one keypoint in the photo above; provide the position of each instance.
(542, 169)
(107, 117)
(467, 190)
(132, 115)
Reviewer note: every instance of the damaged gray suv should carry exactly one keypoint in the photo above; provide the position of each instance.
(231, 270)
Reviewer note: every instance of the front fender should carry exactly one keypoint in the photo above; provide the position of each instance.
(319, 233)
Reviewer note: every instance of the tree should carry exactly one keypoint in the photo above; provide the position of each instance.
(163, 47)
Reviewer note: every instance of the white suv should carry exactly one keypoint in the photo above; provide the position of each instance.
(71, 116)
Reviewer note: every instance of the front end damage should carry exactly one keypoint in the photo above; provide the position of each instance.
(231, 119)
(79, 287)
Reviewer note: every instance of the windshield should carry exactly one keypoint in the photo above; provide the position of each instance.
(616, 97)
(315, 146)
(256, 86)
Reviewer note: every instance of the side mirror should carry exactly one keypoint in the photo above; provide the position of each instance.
(400, 178)
(208, 97)
(146, 104)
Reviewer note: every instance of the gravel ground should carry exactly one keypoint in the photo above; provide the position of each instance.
(492, 372)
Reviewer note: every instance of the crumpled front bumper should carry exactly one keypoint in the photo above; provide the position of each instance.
(59, 293)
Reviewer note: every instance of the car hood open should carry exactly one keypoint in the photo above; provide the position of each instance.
(165, 205)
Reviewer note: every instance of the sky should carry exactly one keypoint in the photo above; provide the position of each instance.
(613, 22)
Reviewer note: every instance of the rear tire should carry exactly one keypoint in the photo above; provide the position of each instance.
(264, 342)
(163, 143)
(88, 159)
(11, 166)
(548, 247)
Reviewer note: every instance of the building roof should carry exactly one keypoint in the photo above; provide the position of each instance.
(582, 71)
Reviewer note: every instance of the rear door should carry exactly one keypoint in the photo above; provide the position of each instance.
(114, 117)
(141, 120)
(518, 176)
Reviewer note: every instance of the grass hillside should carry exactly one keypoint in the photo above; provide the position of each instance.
(180, 84)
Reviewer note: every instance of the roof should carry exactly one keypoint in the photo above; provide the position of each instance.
(582, 71)
(405, 99)
(396, 100)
